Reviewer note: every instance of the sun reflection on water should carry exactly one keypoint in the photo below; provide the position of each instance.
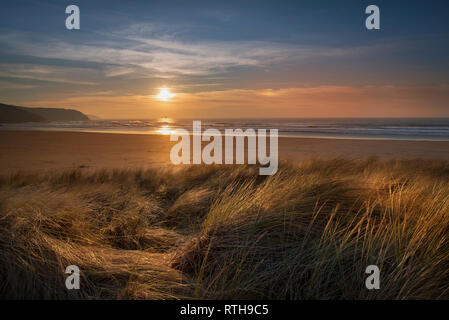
(165, 130)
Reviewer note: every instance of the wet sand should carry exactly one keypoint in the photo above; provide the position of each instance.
(48, 151)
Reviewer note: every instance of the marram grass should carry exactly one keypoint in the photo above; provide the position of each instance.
(209, 232)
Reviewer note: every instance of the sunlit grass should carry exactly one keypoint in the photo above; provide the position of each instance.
(307, 232)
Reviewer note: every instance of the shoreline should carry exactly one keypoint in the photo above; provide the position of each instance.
(155, 133)
(55, 150)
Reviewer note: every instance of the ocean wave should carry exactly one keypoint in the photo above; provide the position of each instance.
(414, 129)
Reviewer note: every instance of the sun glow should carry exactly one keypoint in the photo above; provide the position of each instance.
(165, 94)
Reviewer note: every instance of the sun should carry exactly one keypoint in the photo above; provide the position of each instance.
(165, 94)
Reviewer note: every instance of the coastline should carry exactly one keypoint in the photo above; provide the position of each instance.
(403, 129)
(49, 150)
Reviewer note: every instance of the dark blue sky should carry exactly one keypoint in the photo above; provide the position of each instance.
(131, 48)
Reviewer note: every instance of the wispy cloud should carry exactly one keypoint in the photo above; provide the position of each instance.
(44, 73)
(126, 53)
(4, 85)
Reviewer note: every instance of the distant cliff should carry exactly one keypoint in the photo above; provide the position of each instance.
(15, 114)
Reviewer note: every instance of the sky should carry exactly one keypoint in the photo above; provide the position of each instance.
(227, 59)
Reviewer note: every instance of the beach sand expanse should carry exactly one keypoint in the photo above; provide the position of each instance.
(43, 150)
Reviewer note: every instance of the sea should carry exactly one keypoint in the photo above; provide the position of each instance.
(432, 129)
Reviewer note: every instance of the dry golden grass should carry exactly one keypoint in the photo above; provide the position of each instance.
(212, 232)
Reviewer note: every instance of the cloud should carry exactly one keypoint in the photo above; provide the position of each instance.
(126, 53)
(56, 74)
(14, 86)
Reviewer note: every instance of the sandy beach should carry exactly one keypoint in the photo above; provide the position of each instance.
(41, 150)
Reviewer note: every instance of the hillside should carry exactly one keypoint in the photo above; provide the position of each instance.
(16, 114)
